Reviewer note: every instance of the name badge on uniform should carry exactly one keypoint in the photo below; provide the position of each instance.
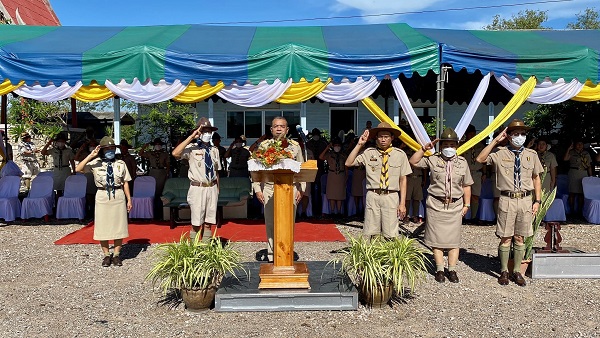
(373, 159)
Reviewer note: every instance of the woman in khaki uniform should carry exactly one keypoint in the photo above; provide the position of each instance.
(580, 166)
(448, 200)
(31, 166)
(112, 179)
(336, 176)
(63, 162)
(549, 163)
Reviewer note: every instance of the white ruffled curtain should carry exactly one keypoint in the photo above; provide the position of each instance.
(249, 95)
(545, 92)
(48, 93)
(146, 92)
(467, 117)
(348, 92)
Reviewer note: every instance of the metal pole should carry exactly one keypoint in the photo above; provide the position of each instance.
(4, 119)
(441, 79)
(117, 120)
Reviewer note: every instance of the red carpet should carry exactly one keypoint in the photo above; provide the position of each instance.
(234, 230)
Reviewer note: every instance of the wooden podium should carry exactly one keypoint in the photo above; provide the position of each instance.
(283, 273)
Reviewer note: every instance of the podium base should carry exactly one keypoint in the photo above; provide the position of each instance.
(293, 277)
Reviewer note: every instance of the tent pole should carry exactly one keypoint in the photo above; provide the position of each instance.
(73, 113)
(4, 118)
(117, 120)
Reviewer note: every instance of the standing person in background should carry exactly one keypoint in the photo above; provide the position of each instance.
(306, 193)
(31, 166)
(478, 172)
(317, 144)
(216, 141)
(580, 166)
(264, 190)
(386, 169)
(414, 188)
(63, 161)
(336, 177)
(113, 198)
(9, 149)
(517, 176)
(239, 158)
(129, 161)
(549, 163)
(205, 164)
(90, 193)
(159, 169)
(448, 200)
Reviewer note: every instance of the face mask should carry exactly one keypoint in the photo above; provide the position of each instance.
(316, 137)
(60, 144)
(238, 145)
(109, 154)
(206, 137)
(519, 140)
(448, 152)
(337, 149)
(157, 147)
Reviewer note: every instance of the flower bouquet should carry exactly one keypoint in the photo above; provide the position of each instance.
(272, 154)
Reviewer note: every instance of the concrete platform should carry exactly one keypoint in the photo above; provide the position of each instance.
(575, 264)
(327, 292)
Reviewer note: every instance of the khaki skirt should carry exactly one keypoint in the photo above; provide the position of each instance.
(443, 225)
(110, 221)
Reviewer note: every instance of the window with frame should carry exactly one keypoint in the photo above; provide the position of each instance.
(254, 124)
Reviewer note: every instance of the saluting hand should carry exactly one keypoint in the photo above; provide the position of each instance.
(431, 145)
(196, 133)
(95, 152)
(363, 138)
(501, 136)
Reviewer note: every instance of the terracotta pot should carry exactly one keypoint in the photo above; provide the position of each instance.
(197, 300)
(378, 299)
(524, 266)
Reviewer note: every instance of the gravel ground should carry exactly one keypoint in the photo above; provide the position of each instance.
(49, 290)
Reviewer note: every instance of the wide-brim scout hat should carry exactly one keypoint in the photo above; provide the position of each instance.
(106, 142)
(470, 129)
(516, 124)
(125, 143)
(158, 141)
(449, 135)
(315, 131)
(204, 123)
(60, 137)
(384, 126)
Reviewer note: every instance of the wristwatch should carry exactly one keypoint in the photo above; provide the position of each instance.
(537, 201)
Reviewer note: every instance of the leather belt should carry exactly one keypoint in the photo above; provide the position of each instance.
(445, 200)
(116, 187)
(59, 166)
(515, 194)
(202, 184)
(383, 191)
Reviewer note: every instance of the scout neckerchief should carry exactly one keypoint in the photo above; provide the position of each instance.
(582, 160)
(208, 163)
(384, 179)
(517, 171)
(110, 178)
(448, 180)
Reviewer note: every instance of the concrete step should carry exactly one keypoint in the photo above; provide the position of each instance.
(328, 292)
(575, 264)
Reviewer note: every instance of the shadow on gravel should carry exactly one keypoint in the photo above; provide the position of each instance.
(479, 263)
(41, 221)
(130, 251)
(172, 299)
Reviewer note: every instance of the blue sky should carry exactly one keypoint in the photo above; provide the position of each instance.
(451, 14)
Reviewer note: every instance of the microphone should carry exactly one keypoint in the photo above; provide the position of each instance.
(303, 137)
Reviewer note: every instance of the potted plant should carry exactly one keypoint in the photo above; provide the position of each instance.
(382, 267)
(194, 268)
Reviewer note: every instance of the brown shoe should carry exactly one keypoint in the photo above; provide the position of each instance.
(503, 279)
(439, 277)
(116, 261)
(518, 279)
(106, 261)
(452, 277)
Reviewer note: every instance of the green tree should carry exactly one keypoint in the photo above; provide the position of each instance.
(169, 119)
(589, 19)
(41, 119)
(528, 19)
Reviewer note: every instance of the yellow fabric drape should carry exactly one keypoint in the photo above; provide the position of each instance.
(381, 116)
(589, 93)
(7, 87)
(194, 93)
(511, 107)
(93, 93)
(302, 91)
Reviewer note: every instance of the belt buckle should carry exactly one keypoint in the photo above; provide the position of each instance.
(518, 194)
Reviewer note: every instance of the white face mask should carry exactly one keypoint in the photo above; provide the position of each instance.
(519, 140)
(337, 149)
(206, 137)
(449, 152)
(157, 147)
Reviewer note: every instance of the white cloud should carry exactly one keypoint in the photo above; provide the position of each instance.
(373, 7)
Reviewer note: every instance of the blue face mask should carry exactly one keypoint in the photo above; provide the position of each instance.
(109, 154)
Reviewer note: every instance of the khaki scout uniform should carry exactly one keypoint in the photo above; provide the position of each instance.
(31, 166)
(514, 212)
(578, 169)
(110, 215)
(444, 218)
(381, 209)
(61, 159)
(203, 194)
(548, 161)
(336, 176)
(267, 190)
(475, 167)
(414, 184)
(158, 168)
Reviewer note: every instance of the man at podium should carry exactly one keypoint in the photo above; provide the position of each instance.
(264, 191)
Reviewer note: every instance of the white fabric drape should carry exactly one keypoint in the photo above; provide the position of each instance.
(49, 93)
(146, 92)
(258, 95)
(467, 117)
(411, 116)
(348, 92)
(545, 92)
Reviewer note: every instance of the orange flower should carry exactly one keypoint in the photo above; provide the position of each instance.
(271, 152)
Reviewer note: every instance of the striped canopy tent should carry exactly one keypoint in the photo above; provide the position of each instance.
(252, 66)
